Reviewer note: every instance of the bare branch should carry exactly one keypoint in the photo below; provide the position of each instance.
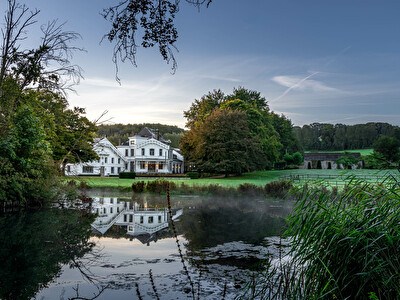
(47, 67)
(153, 20)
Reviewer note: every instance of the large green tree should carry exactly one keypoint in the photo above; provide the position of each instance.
(226, 145)
(38, 131)
(266, 131)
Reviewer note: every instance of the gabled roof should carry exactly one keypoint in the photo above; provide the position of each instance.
(150, 133)
(104, 142)
(146, 132)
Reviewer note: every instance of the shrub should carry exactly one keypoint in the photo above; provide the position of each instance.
(250, 189)
(138, 187)
(278, 189)
(193, 175)
(159, 186)
(130, 175)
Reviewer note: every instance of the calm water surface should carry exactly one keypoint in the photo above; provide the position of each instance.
(71, 254)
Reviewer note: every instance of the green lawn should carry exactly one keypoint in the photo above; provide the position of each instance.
(363, 152)
(259, 178)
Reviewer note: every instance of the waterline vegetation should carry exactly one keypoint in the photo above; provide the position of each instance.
(342, 246)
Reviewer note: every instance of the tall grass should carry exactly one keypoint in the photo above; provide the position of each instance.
(348, 244)
(343, 245)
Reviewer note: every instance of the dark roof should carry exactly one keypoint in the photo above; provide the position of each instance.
(328, 156)
(146, 132)
(151, 133)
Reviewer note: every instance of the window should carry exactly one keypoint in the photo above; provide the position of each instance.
(142, 151)
(119, 170)
(142, 165)
(160, 152)
(87, 169)
(112, 160)
(152, 152)
(151, 220)
(111, 210)
(141, 220)
(119, 160)
(132, 152)
(130, 218)
(126, 152)
(159, 219)
(132, 142)
(160, 165)
(105, 159)
(112, 170)
(125, 218)
(68, 168)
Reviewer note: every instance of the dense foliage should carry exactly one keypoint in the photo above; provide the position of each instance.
(235, 133)
(119, 133)
(38, 132)
(327, 137)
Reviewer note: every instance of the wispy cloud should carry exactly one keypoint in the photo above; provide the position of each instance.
(301, 83)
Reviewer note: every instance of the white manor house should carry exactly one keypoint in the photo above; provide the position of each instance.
(144, 153)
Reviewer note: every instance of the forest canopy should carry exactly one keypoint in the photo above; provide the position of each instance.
(328, 137)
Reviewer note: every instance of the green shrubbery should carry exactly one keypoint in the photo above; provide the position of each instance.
(278, 189)
(130, 175)
(155, 186)
(193, 175)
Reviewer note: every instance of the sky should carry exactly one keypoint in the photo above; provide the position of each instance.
(333, 61)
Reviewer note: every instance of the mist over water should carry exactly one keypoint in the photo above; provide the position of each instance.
(222, 241)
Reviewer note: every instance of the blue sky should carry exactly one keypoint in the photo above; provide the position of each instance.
(314, 61)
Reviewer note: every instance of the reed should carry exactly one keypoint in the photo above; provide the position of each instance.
(347, 245)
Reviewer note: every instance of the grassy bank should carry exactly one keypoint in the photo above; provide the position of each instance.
(259, 178)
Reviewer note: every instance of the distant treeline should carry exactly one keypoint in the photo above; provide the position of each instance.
(119, 133)
(319, 136)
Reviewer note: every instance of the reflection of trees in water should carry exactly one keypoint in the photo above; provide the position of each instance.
(221, 221)
(35, 245)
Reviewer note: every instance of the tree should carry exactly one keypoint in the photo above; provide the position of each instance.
(202, 108)
(225, 144)
(155, 18)
(37, 128)
(389, 148)
(70, 134)
(46, 67)
(270, 140)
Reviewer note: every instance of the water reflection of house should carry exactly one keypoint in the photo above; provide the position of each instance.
(140, 222)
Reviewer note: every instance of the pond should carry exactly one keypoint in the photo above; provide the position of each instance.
(130, 249)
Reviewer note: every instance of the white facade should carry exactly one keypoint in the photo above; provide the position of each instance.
(110, 161)
(149, 155)
(143, 153)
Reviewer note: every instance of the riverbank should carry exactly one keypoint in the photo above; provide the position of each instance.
(259, 178)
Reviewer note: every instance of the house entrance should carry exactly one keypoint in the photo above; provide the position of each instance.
(151, 167)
